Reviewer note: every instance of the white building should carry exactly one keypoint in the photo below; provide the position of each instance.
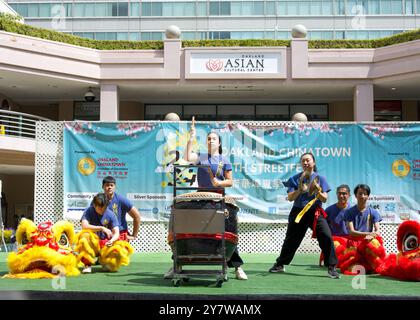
(260, 19)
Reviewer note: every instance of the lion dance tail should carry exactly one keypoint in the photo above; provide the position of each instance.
(87, 248)
(115, 256)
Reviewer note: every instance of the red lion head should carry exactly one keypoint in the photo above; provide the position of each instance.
(405, 265)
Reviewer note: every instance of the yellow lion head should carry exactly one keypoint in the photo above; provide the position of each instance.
(44, 251)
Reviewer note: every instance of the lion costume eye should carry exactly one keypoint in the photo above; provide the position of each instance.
(25, 240)
(410, 243)
(64, 241)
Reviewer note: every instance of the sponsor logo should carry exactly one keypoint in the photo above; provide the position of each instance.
(400, 168)
(86, 166)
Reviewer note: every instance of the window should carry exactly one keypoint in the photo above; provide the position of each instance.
(101, 10)
(225, 8)
(88, 111)
(201, 112)
(409, 7)
(134, 9)
(45, 10)
(79, 9)
(158, 112)
(122, 9)
(240, 112)
(201, 8)
(151, 35)
(122, 36)
(157, 9)
(89, 10)
(146, 9)
(270, 8)
(33, 10)
(134, 36)
(235, 112)
(272, 112)
(313, 112)
(387, 110)
(214, 8)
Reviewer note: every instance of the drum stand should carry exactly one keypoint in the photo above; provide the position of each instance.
(198, 221)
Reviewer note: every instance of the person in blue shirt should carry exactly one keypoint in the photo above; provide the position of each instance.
(315, 218)
(103, 222)
(362, 220)
(335, 212)
(121, 206)
(365, 245)
(219, 175)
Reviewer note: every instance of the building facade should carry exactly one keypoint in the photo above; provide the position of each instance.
(260, 19)
(43, 80)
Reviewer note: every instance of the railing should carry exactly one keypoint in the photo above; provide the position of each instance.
(18, 124)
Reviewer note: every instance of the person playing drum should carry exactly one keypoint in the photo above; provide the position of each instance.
(218, 175)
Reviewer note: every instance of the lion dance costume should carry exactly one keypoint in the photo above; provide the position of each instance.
(90, 247)
(44, 251)
(405, 265)
(358, 251)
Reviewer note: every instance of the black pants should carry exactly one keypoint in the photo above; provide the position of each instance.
(296, 232)
(235, 260)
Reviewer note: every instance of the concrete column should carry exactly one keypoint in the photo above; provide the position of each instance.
(109, 107)
(172, 58)
(300, 60)
(363, 102)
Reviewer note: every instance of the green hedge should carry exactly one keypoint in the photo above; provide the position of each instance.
(8, 23)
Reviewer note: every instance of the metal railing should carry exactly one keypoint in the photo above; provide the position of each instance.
(18, 124)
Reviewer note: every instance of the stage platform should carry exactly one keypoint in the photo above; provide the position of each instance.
(143, 279)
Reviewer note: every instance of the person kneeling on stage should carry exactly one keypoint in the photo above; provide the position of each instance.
(364, 245)
(100, 238)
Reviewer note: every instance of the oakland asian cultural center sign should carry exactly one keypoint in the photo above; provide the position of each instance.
(233, 63)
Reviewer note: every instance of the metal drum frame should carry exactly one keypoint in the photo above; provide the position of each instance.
(198, 221)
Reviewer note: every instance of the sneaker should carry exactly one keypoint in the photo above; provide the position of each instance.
(277, 268)
(240, 274)
(169, 274)
(87, 269)
(333, 274)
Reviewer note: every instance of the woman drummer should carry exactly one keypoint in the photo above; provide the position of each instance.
(219, 172)
(217, 175)
(307, 196)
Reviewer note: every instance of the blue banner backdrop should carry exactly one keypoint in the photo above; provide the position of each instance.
(141, 155)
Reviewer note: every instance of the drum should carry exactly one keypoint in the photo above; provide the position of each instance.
(191, 244)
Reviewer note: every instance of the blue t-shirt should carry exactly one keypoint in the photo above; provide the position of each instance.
(335, 218)
(107, 220)
(218, 164)
(293, 184)
(120, 205)
(362, 222)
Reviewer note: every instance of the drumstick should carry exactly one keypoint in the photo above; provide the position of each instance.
(193, 122)
(210, 173)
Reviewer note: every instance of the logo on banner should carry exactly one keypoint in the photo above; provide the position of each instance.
(86, 166)
(214, 65)
(400, 168)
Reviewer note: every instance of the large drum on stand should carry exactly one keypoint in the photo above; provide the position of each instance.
(189, 244)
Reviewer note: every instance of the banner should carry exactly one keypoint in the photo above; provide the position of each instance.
(141, 156)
